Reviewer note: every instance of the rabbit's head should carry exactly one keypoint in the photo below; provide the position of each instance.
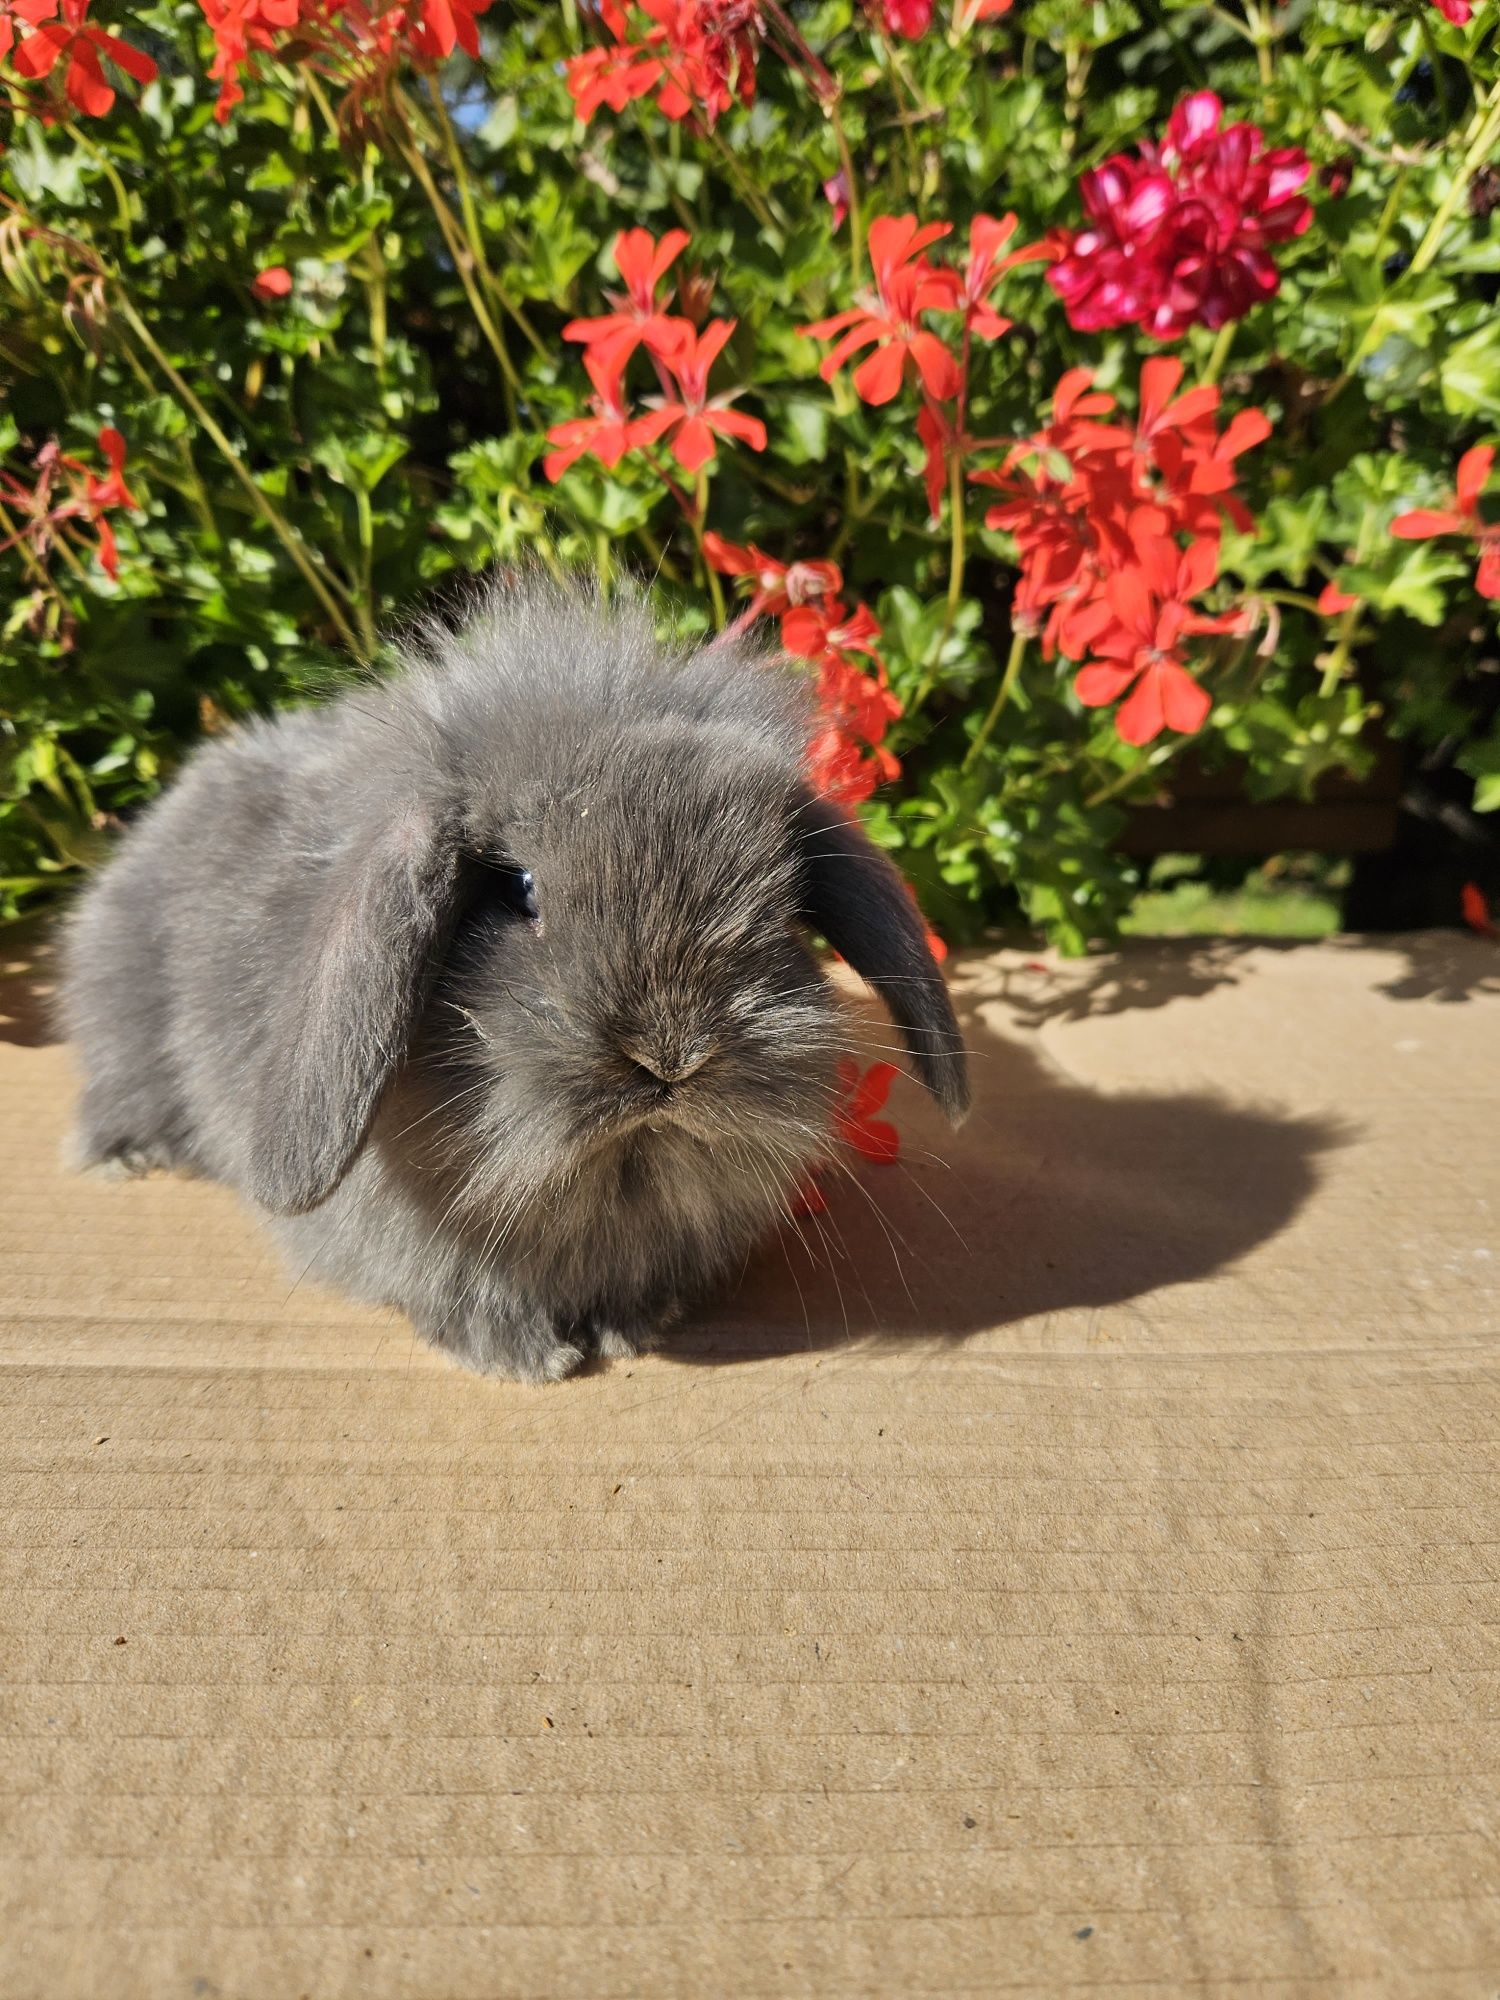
(581, 877)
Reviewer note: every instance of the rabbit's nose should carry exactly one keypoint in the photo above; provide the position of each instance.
(667, 1065)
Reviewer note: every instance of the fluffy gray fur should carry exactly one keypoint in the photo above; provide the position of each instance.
(308, 973)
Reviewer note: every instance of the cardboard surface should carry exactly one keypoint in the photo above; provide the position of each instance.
(1085, 1580)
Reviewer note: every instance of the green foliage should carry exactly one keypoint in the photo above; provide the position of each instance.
(314, 467)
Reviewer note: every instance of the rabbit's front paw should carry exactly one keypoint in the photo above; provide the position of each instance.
(525, 1348)
(621, 1336)
(618, 1343)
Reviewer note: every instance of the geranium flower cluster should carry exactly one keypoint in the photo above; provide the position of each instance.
(909, 286)
(685, 415)
(1119, 526)
(849, 757)
(360, 40)
(694, 56)
(55, 39)
(1179, 234)
(64, 490)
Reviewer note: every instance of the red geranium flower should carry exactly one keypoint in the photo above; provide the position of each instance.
(445, 25)
(908, 19)
(1100, 511)
(1169, 427)
(613, 77)
(100, 494)
(907, 286)
(1463, 518)
(846, 759)
(855, 1121)
(778, 586)
(273, 283)
(938, 438)
(28, 13)
(1475, 906)
(935, 944)
(111, 490)
(812, 631)
(70, 38)
(1178, 235)
(642, 263)
(988, 236)
(1459, 12)
(697, 55)
(89, 496)
(843, 770)
(697, 419)
(1150, 613)
(610, 432)
(1332, 601)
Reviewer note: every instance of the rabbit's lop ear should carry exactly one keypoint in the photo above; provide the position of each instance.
(858, 901)
(370, 937)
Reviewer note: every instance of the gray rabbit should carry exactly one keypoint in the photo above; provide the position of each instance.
(492, 984)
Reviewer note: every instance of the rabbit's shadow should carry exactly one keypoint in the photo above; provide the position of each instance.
(1052, 1197)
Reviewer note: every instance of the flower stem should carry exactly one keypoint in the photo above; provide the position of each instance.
(1434, 61)
(470, 213)
(1337, 664)
(765, 213)
(1389, 213)
(1220, 352)
(15, 538)
(824, 83)
(1484, 142)
(1297, 599)
(106, 167)
(1077, 61)
(695, 521)
(463, 263)
(658, 554)
(364, 602)
(1018, 644)
(271, 515)
(904, 90)
(957, 526)
(851, 183)
(1262, 33)
(1123, 780)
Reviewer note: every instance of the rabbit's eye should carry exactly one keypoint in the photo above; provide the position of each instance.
(516, 889)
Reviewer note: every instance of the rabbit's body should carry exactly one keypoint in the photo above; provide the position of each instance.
(490, 985)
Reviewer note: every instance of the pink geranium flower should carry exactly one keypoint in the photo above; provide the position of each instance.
(1179, 234)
